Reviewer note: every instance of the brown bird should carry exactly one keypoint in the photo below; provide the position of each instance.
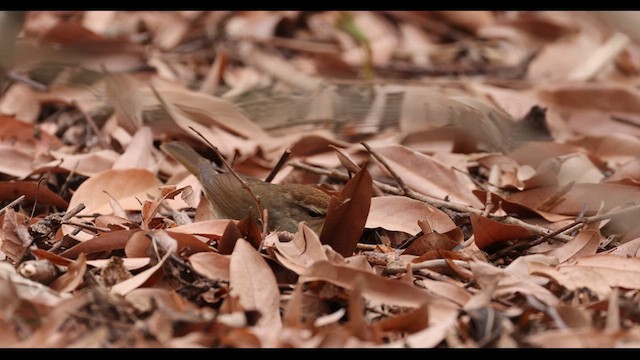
(287, 204)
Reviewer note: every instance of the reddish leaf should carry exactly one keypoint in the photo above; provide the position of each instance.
(487, 231)
(347, 214)
(10, 190)
(113, 240)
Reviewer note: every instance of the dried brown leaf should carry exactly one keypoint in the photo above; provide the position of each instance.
(584, 244)
(487, 231)
(252, 280)
(73, 277)
(126, 185)
(113, 240)
(400, 213)
(212, 265)
(301, 252)
(424, 174)
(347, 214)
(126, 286)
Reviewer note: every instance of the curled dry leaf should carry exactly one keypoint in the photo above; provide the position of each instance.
(509, 284)
(375, 288)
(347, 214)
(574, 280)
(126, 286)
(301, 252)
(584, 244)
(487, 232)
(73, 277)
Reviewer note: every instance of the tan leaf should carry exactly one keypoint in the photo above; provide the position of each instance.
(508, 284)
(252, 280)
(584, 244)
(426, 175)
(88, 164)
(376, 288)
(212, 265)
(400, 213)
(128, 186)
(208, 228)
(591, 196)
(209, 110)
(138, 153)
(301, 252)
(574, 280)
(126, 286)
(576, 338)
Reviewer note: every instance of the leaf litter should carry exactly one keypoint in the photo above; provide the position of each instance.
(482, 170)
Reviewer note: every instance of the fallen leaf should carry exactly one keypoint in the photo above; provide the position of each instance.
(428, 176)
(253, 282)
(128, 186)
(347, 214)
(487, 232)
(584, 244)
(400, 213)
(212, 265)
(126, 286)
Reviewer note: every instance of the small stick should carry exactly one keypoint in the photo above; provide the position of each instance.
(35, 201)
(86, 226)
(12, 204)
(27, 80)
(244, 184)
(283, 160)
(407, 191)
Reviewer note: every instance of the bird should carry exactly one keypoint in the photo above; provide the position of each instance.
(287, 204)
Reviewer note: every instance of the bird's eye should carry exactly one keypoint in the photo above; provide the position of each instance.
(314, 213)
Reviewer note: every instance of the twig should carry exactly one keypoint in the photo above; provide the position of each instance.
(73, 212)
(279, 165)
(12, 204)
(580, 223)
(244, 184)
(35, 201)
(535, 229)
(86, 226)
(407, 191)
(366, 247)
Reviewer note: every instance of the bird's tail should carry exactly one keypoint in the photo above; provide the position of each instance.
(188, 157)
